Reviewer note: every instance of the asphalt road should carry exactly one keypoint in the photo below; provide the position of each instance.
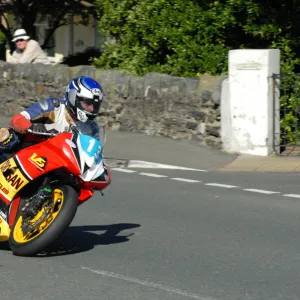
(172, 235)
(156, 238)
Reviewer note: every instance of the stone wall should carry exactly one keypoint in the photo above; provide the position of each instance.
(156, 104)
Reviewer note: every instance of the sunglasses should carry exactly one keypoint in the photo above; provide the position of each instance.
(20, 40)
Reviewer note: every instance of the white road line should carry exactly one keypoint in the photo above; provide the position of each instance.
(123, 170)
(292, 195)
(153, 175)
(261, 191)
(153, 165)
(228, 186)
(150, 284)
(186, 180)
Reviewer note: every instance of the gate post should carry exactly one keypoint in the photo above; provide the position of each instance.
(247, 108)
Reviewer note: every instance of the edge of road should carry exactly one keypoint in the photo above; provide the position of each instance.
(253, 163)
(242, 163)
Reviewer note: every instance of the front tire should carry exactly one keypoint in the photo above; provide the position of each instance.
(23, 244)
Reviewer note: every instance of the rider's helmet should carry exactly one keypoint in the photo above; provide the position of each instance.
(84, 96)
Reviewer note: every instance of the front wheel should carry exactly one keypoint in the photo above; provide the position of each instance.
(65, 203)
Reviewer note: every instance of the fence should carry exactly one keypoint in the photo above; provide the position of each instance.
(287, 138)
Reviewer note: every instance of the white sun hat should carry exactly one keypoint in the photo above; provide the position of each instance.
(20, 34)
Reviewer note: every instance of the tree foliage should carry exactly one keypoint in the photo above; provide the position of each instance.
(165, 36)
(191, 37)
(28, 12)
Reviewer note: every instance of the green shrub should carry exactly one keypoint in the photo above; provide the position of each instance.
(163, 36)
(185, 38)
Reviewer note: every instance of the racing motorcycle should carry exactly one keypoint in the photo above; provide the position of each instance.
(42, 185)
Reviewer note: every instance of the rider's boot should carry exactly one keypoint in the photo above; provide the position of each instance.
(9, 142)
(5, 139)
(4, 136)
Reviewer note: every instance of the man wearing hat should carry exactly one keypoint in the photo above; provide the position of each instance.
(27, 50)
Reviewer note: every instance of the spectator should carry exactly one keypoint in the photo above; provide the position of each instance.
(27, 50)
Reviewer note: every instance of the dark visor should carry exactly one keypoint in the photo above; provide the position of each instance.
(96, 102)
(89, 101)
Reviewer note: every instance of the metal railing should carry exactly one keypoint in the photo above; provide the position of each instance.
(286, 113)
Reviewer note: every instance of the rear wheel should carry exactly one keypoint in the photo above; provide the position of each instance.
(55, 221)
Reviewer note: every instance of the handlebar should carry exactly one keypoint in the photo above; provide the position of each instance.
(42, 133)
(49, 133)
(73, 129)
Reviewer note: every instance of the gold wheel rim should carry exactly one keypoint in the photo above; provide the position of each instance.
(21, 237)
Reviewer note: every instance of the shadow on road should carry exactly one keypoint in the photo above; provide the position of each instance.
(78, 239)
(4, 246)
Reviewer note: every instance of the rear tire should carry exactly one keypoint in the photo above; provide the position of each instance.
(52, 232)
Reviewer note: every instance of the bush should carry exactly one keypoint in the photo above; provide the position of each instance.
(189, 38)
(170, 37)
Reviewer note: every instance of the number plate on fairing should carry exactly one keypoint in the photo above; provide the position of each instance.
(91, 149)
(12, 179)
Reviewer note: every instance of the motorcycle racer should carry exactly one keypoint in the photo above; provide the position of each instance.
(82, 103)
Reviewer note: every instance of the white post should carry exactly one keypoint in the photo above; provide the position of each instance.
(249, 102)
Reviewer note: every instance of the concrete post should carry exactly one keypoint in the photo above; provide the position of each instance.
(248, 102)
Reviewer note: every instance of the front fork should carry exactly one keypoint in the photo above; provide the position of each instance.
(35, 203)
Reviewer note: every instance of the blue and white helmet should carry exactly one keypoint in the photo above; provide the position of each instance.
(87, 90)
